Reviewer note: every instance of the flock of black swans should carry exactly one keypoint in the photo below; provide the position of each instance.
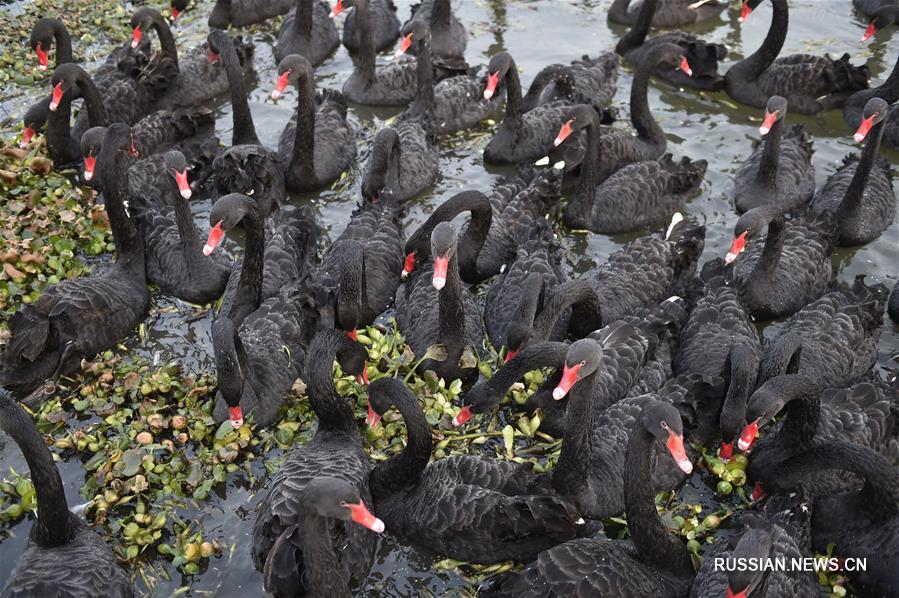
(652, 354)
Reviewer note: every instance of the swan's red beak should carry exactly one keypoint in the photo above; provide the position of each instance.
(27, 134)
(42, 57)
(57, 97)
(216, 234)
(175, 14)
(408, 265)
(235, 414)
(750, 433)
(685, 66)
(758, 493)
(564, 133)
(676, 448)
(338, 8)
(136, 35)
(90, 162)
(732, 594)
(768, 122)
(405, 44)
(464, 415)
(744, 14)
(363, 517)
(726, 453)
(212, 55)
(132, 150)
(362, 379)
(353, 334)
(492, 82)
(736, 248)
(183, 185)
(281, 85)
(510, 355)
(440, 266)
(372, 419)
(569, 379)
(864, 128)
(871, 30)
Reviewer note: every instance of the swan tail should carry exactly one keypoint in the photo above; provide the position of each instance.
(30, 333)
(539, 514)
(688, 241)
(797, 133)
(848, 77)
(686, 175)
(334, 98)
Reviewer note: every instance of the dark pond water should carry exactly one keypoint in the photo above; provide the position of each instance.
(536, 33)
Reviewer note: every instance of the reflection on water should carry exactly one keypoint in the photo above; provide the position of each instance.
(536, 33)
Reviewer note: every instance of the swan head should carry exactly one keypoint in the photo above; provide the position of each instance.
(769, 399)
(226, 214)
(875, 111)
(756, 544)
(663, 421)
(575, 118)
(775, 110)
(882, 18)
(178, 7)
(338, 499)
(443, 248)
(292, 69)
(750, 224)
(582, 359)
(63, 81)
(176, 166)
(747, 8)
(384, 394)
(42, 41)
(415, 32)
(496, 72)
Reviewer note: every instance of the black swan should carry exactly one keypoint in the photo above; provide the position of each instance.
(853, 109)
(619, 147)
(363, 265)
(80, 317)
(152, 133)
(172, 243)
(383, 22)
(636, 195)
(279, 251)
(893, 305)
(177, 8)
(882, 18)
(523, 136)
(239, 13)
(863, 413)
(404, 156)
(318, 144)
(63, 557)
(646, 271)
(791, 267)
(860, 193)
(779, 171)
(122, 63)
(670, 13)
(699, 60)
(832, 340)
(307, 30)
(781, 532)
(497, 225)
(809, 83)
(653, 562)
(280, 538)
(638, 362)
(466, 507)
(247, 166)
(720, 339)
(449, 317)
(862, 524)
(524, 287)
(391, 84)
(198, 78)
(447, 34)
(588, 81)
(63, 148)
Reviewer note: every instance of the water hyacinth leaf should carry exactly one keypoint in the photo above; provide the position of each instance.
(436, 352)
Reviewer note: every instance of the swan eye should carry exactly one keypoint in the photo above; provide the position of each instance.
(583, 362)
(664, 425)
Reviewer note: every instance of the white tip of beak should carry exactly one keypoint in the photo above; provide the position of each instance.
(207, 250)
(42, 67)
(686, 466)
(558, 394)
(88, 175)
(22, 144)
(235, 423)
(276, 94)
(858, 137)
(488, 94)
(742, 445)
(560, 165)
(53, 106)
(544, 161)
(378, 526)
(730, 257)
(133, 44)
(439, 282)
(186, 193)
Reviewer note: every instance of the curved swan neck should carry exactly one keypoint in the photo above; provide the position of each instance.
(852, 201)
(404, 469)
(302, 161)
